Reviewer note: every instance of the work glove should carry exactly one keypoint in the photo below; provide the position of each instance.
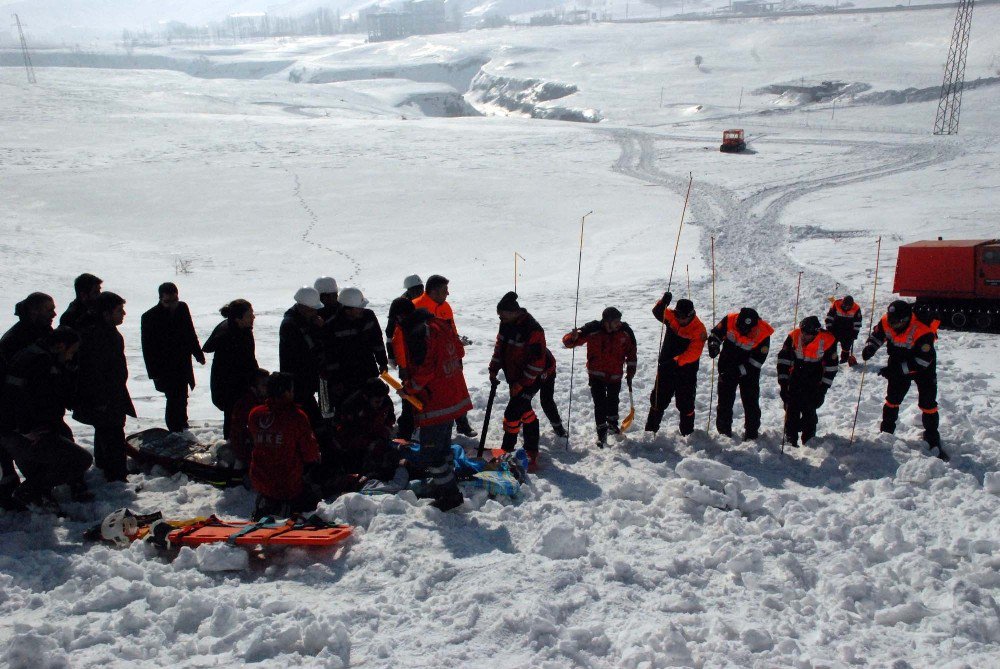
(713, 348)
(868, 351)
(667, 297)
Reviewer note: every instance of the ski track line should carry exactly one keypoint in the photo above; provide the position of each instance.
(313, 222)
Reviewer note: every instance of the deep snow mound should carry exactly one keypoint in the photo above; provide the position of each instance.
(526, 96)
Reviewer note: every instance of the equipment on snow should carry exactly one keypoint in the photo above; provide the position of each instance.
(396, 385)
(576, 313)
(733, 141)
(627, 423)
(486, 419)
(711, 387)
(176, 453)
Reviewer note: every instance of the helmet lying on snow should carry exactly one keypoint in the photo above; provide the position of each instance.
(120, 527)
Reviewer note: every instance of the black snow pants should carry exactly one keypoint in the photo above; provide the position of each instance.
(749, 387)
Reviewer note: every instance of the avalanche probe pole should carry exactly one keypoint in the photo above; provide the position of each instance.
(711, 387)
(576, 312)
(516, 256)
(857, 407)
(670, 281)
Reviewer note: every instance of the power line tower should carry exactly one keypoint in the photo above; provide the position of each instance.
(24, 51)
(950, 104)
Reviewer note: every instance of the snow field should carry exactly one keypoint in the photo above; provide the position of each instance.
(656, 552)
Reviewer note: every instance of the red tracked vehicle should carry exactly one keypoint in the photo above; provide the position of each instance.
(955, 281)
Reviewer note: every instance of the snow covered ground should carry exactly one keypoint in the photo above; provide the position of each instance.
(658, 552)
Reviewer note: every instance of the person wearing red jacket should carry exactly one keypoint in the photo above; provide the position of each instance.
(520, 353)
(611, 348)
(283, 445)
(843, 321)
(239, 440)
(435, 378)
(912, 359)
(807, 365)
(744, 340)
(677, 368)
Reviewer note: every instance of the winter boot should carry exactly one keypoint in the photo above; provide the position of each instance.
(531, 436)
(463, 428)
(509, 442)
(613, 426)
(687, 424)
(852, 361)
(36, 499)
(448, 500)
(532, 461)
(602, 436)
(653, 420)
(889, 417)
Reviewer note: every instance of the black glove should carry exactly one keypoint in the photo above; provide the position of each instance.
(868, 351)
(667, 297)
(713, 348)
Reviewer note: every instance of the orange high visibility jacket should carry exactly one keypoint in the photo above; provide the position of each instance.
(844, 323)
(683, 343)
(741, 353)
(607, 351)
(442, 311)
(912, 349)
(438, 381)
(812, 363)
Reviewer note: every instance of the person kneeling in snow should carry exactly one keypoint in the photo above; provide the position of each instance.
(283, 445)
(364, 427)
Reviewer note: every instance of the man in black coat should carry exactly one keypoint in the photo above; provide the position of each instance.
(81, 312)
(38, 389)
(168, 343)
(353, 348)
(299, 350)
(102, 395)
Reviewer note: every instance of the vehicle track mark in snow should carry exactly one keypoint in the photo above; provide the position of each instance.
(313, 222)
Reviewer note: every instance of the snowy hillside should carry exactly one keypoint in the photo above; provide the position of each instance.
(249, 170)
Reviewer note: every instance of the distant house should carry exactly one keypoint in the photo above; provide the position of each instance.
(416, 17)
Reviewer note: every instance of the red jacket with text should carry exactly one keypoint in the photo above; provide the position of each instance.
(283, 442)
(437, 380)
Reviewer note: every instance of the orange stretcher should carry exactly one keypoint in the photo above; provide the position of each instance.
(266, 532)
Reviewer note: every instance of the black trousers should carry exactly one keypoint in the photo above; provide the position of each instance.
(53, 460)
(404, 424)
(176, 415)
(607, 397)
(800, 413)
(109, 448)
(517, 414)
(674, 383)
(846, 344)
(547, 398)
(749, 387)
(926, 399)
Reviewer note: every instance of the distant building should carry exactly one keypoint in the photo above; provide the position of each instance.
(416, 17)
(751, 7)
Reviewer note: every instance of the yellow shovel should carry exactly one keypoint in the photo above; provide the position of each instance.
(396, 385)
(627, 423)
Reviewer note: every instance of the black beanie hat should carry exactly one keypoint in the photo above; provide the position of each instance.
(810, 325)
(684, 308)
(899, 310)
(611, 314)
(508, 303)
(747, 319)
(848, 301)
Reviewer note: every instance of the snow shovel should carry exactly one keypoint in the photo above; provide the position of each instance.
(627, 423)
(486, 421)
(396, 385)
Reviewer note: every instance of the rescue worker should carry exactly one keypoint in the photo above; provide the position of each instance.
(283, 447)
(326, 286)
(102, 398)
(169, 341)
(520, 353)
(744, 339)
(402, 306)
(235, 359)
(81, 311)
(843, 321)
(38, 390)
(435, 300)
(300, 350)
(408, 318)
(807, 365)
(677, 367)
(912, 359)
(353, 349)
(364, 427)
(611, 354)
(435, 378)
(35, 315)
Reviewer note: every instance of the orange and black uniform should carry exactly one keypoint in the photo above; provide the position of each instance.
(677, 368)
(844, 323)
(521, 353)
(283, 443)
(805, 373)
(608, 354)
(912, 359)
(740, 361)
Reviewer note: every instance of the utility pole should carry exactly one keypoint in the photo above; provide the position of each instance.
(950, 104)
(24, 51)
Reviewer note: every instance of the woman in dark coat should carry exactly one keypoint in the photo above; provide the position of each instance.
(235, 362)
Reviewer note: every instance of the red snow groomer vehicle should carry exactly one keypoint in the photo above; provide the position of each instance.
(955, 281)
(732, 141)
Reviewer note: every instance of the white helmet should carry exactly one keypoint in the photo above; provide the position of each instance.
(352, 297)
(325, 284)
(412, 281)
(120, 528)
(308, 297)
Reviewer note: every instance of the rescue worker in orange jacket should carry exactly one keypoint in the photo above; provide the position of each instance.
(843, 321)
(677, 369)
(610, 349)
(435, 300)
(434, 377)
(520, 353)
(807, 365)
(283, 445)
(744, 339)
(912, 359)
